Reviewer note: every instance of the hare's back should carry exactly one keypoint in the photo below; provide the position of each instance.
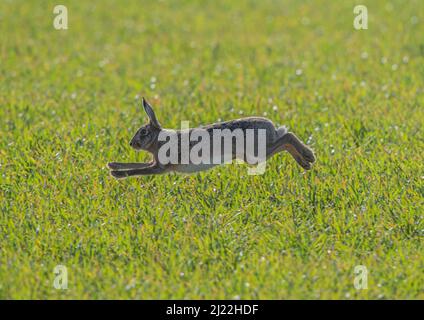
(244, 123)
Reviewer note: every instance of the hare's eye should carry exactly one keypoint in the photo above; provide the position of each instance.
(143, 132)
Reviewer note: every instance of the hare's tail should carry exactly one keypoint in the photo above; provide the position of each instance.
(281, 131)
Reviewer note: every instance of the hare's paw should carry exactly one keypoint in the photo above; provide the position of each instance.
(308, 154)
(303, 163)
(114, 165)
(119, 174)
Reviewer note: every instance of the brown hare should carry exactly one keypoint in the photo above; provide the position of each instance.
(149, 138)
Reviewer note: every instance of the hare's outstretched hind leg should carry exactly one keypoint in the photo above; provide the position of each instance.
(303, 155)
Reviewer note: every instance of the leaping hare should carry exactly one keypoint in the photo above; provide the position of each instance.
(148, 138)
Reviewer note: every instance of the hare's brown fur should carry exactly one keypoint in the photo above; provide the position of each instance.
(146, 138)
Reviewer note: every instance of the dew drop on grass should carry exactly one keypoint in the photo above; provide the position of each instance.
(414, 20)
(309, 139)
(305, 21)
(103, 62)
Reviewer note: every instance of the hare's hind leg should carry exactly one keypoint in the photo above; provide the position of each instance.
(303, 155)
(300, 147)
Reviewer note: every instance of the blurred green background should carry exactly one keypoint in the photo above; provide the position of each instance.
(69, 103)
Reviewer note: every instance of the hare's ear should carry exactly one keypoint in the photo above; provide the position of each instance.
(151, 114)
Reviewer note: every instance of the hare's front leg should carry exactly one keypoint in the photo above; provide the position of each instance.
(155, 169)
(303, 155)
(123, 166)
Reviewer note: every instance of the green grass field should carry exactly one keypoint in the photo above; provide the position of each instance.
(69, 104)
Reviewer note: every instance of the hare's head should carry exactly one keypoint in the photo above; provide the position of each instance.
(147, 135)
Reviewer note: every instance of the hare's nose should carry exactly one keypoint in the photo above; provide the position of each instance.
(131, 143)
